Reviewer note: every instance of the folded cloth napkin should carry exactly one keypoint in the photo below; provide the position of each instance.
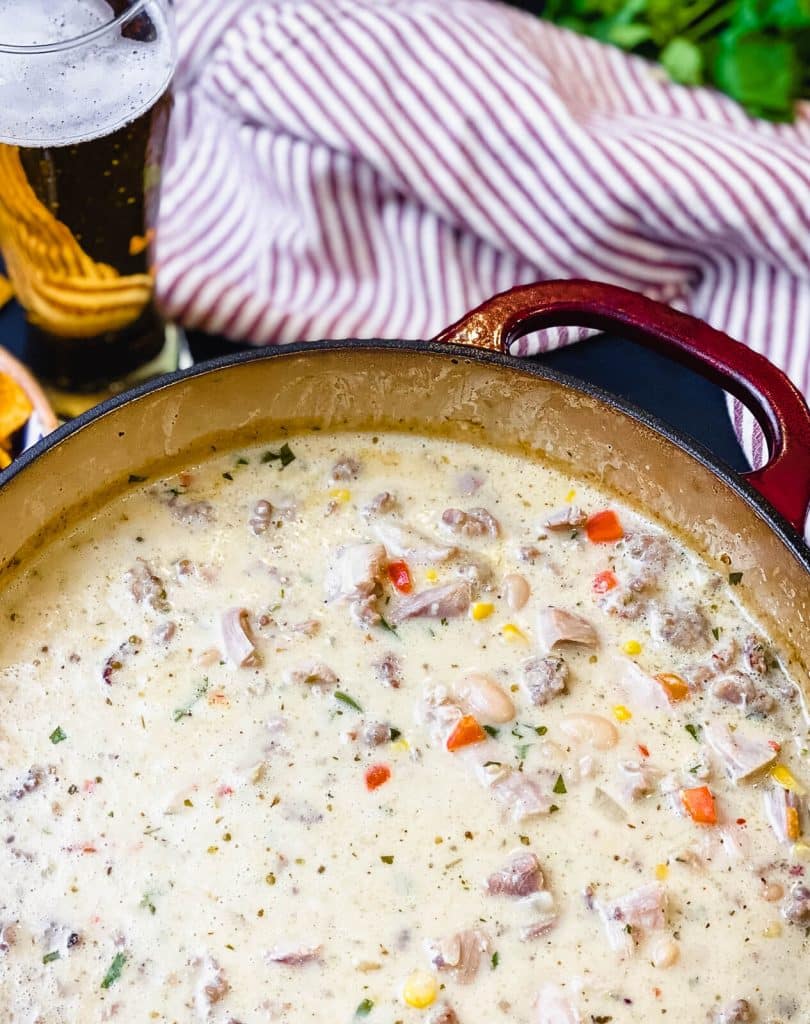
(375, 168)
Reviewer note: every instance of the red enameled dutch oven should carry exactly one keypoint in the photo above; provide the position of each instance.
(465, 385)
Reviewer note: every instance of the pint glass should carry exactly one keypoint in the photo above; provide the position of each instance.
(84, 104)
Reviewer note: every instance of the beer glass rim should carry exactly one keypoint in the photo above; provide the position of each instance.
(87, 37)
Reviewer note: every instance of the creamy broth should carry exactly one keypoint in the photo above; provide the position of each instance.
(369, 728)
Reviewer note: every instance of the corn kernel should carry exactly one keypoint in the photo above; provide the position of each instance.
(661, 872)
(340, 494)
(631, 647)
(431, 575)
(420, 990)
(482, 610)
(786, 779)
(800, 851)
(571, 495)
(511, 632)
(401, 744)
(621, 713)
(773, 931)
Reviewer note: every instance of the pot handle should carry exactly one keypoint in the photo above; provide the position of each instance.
(765, 390)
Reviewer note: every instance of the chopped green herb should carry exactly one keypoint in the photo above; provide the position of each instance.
(495, 959)
(387, 626)
(491, 730)
(694, 731)
(284, 455)
(735, 578)
(559, 786)
(344, 698)
(364, 1009)
(553, 809)
(242, 461)
(488, 764)
(395, 734)
(185, 711)
(115, 969)
(525, 840)
(147, 904)
(228, 476)
(50, 957)
(58, 735)
(443, 621)
(716, 632)
(523, 750)
(541, 730)
(387, 858)
(135, 479)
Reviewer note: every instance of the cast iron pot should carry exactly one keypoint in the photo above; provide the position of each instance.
(465, 385)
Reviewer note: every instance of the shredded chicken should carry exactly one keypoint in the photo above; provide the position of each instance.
(313, 673)
(445, 602)
(478, 522)
(556, 626)
(553, 1006)
(740, 689)
(293, 957)
(354, 578)
(460, 953)
(630, 917)
(571, 517)
(237, 638)
(740, 755)
(407, 542)
(544, 678)
(783, 813)
(211, 987)
(347, 468)
(521, 876)
(637, 779)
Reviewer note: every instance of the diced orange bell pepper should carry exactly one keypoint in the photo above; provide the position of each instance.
(603, 527)
(604, 582)
(466, 732)
(674, 687)
(699, 804)
(377, 775)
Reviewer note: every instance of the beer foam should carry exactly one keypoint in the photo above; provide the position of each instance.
(81, 93)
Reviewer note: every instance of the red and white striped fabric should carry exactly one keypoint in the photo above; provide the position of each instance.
(374, 168)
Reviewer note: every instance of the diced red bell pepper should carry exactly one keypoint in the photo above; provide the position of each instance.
(466, 732)
(377, 775)
(603, 527)
(604, 581)
(400, 576)
(700, 806)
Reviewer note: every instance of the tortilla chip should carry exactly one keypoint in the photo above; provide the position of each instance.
(14, 412)
(6, 291)
(5, 458)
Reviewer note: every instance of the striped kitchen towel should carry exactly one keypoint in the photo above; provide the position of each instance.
(374, 168)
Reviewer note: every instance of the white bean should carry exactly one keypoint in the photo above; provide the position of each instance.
(485, 698)
(517, 591)
(665, 953)
(591, 731)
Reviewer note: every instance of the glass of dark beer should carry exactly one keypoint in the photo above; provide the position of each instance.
(84, 106)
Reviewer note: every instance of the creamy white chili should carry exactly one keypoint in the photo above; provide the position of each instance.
(387, 729)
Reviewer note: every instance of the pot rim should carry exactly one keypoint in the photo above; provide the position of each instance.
(717, 466)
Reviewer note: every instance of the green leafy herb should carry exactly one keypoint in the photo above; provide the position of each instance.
(491, 730)
(694, 731)
(242, 461)
(735, 578)
(490, 764)
(541, 730)
(135, 479)
(387, 858)
(344, 698)
(148, 904)
(284, 455)
(395, 734)
(58, 735)
(559, 786)
(228, 476)
(716, 632)
(553, 809)
(364, 1008)
(523, 750)
(495, 959)
(185, 711)
(756, 51)
(387, 626)
(50, 957)
(115, 969)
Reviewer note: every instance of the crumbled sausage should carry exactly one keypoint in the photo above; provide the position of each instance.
(478, 522)
(389, 671)
(682, 626)
(796, 907)
(755, 654)
(376, 733)
(193, 513)
(346, 468)
(740, 689)
(380, 503)
(147, 587)
(31, 781)
(544, 678)
(443, 1014)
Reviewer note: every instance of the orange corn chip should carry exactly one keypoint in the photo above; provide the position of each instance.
(14, 412)
(6, 291)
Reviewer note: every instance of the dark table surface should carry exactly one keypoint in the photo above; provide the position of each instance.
(678, 396)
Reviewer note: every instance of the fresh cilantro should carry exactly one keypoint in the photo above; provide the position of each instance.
(242, 461)
(753, 50)
(559, 786)
(694, 731)
(390, 629)
(185, 711)
(523, 750)
(50, 957)
(58, 735)
(228, 476)
(135, 479)
(395, 734)
(387, 858)
(491, 730)
(364, 1008)
(496, 959)
(148, 904)
(735, 578)
(553, 809)
(716, 632)
(284, 455)
(344, 698)
(541, 730)
(114, 971)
